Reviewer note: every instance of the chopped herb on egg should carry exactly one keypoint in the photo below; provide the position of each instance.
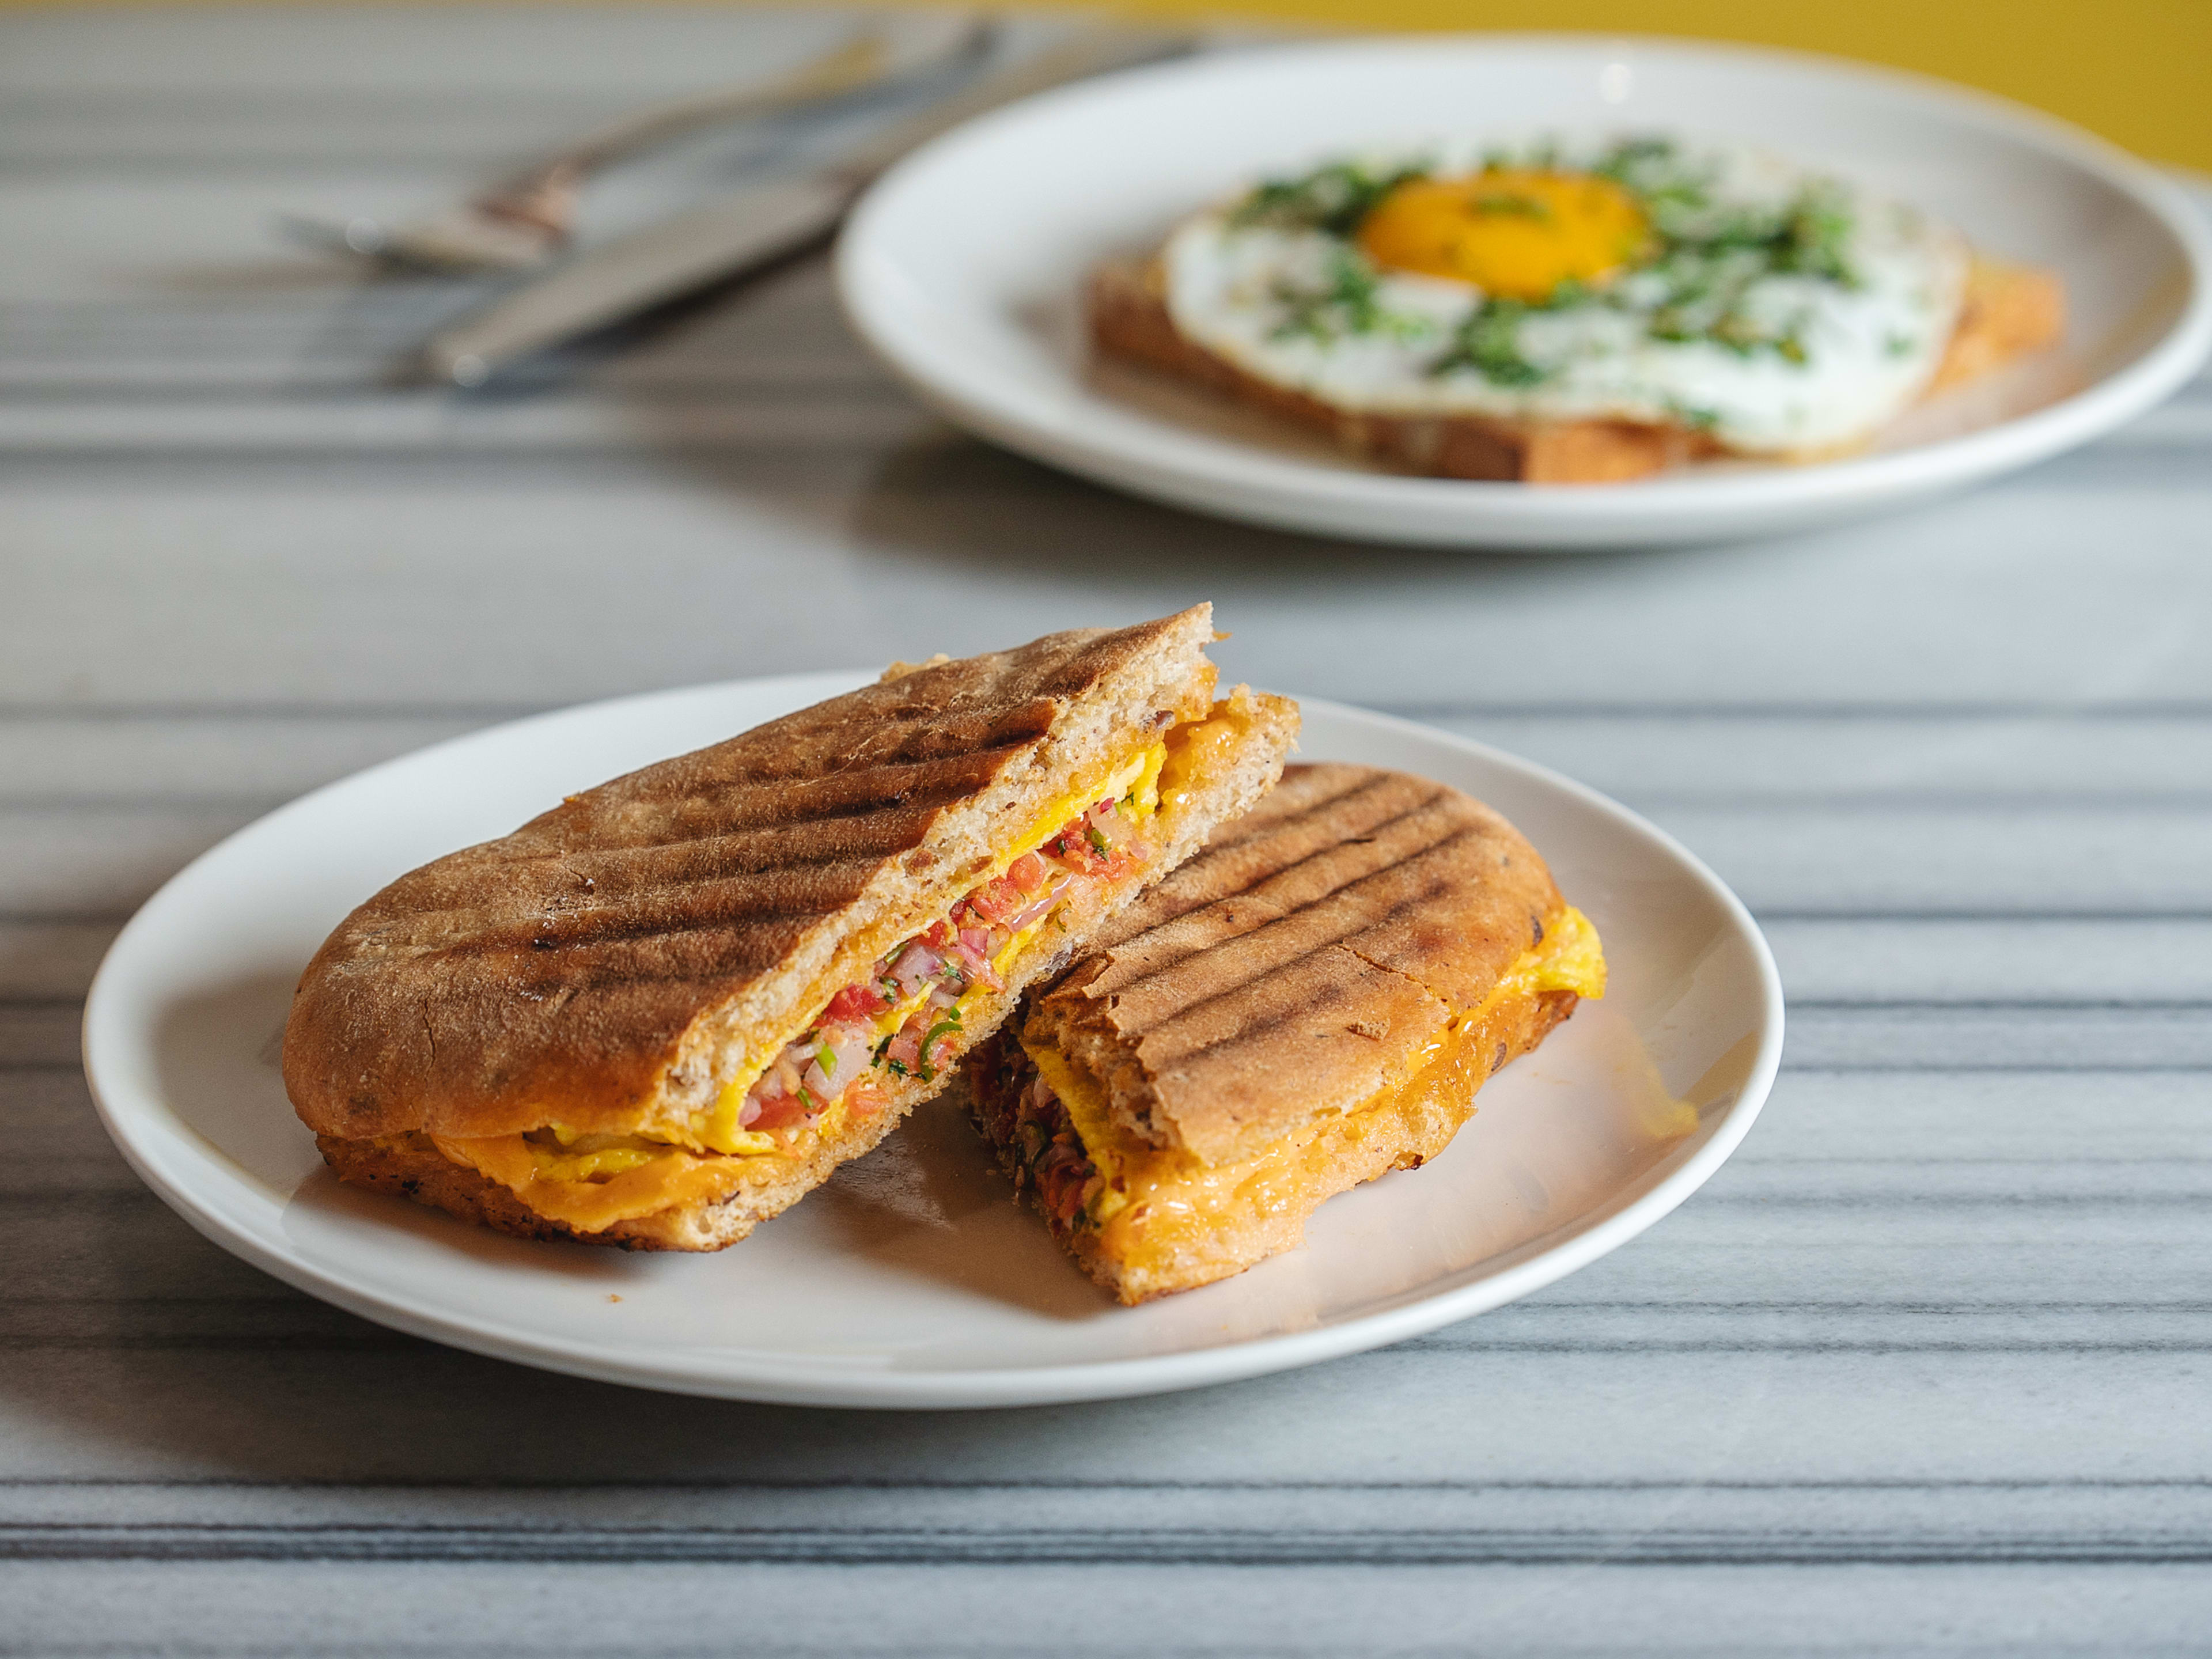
(1350, 303)
(1699, 417)
(1333, 199)
(1489, 342)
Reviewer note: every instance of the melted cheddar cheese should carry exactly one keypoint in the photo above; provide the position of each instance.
(1152, 1206)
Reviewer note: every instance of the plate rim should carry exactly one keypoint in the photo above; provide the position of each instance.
(1246, 482)
(132, 1124)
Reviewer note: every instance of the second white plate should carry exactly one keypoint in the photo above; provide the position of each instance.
(913, 1279)
(963, 269)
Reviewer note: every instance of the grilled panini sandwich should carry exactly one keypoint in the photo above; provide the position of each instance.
(668, 1008)
(1311, 1001)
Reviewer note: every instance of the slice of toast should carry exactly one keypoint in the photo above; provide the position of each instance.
(2008, 310)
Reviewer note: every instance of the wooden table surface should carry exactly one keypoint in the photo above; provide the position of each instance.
(1927, 1368)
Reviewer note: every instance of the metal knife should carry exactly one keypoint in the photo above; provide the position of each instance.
(747, 228)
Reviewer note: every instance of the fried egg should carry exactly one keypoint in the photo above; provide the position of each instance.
(1778, 310)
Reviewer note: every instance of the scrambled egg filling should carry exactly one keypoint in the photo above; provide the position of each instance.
(591, 1180)
(1147, 1204)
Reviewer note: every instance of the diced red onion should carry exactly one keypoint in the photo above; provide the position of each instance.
(1028, 914)
(848, 1059)
(917, 965)
(1111, 826)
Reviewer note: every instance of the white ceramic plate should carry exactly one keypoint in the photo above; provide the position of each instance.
(963, 269)
(913, 1279)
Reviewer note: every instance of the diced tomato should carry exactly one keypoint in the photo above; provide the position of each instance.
(853, 1003)
(1073, 849)
(994, 900)
(780, 1112)
(1122, 862)
(939, 936)
(1026, 873)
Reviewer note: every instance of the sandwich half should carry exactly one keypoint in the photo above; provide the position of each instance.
(1313, 1000)
(668, 1008)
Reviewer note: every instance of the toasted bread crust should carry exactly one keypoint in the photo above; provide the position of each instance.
(2008, 311)
(1302, 963)
(605, 962)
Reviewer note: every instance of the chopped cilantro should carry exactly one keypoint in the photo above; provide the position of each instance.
(1488, 341)
(1349, 303)
(1334, 198)
(1697, 416)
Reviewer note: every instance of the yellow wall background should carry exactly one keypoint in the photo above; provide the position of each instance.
(2138, 71)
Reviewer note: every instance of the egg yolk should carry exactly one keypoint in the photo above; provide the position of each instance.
(1515, 232)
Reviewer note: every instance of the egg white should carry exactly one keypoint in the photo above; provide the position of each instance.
(1869, 349)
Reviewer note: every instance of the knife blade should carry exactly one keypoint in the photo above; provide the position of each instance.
(747, 228)
(738, 232)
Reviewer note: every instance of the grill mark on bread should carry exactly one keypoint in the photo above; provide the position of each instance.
(1158, 1038)
(1340, 893)
(1197, 885)
(863, 825)
(1349, 928)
